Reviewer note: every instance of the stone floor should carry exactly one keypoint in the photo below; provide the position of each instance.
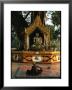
(49, 70)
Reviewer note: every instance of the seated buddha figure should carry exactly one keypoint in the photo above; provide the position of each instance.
(37, 42)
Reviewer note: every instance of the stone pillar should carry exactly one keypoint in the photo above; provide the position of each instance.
(49, 38)
(27, 41)
(44, 40)
(47, 42)
(25, 44)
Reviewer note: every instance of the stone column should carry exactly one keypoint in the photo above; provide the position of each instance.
(25, 44)
(44, 40)
(27, 41)
(49, 38)
(47, 42)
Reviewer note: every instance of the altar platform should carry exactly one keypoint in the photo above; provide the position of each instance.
(26, 56)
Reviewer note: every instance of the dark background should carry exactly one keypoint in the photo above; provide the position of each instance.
(1, 36)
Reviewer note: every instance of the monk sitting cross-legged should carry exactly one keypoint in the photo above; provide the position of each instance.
(35, 70)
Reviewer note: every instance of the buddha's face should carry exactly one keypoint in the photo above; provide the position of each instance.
(37, 34)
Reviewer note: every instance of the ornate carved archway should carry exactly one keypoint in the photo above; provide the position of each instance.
(42, 27)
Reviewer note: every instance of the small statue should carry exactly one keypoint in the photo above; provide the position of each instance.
(37, 45)
(37, 39)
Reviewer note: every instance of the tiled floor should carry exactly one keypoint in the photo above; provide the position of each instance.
(49, 70)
